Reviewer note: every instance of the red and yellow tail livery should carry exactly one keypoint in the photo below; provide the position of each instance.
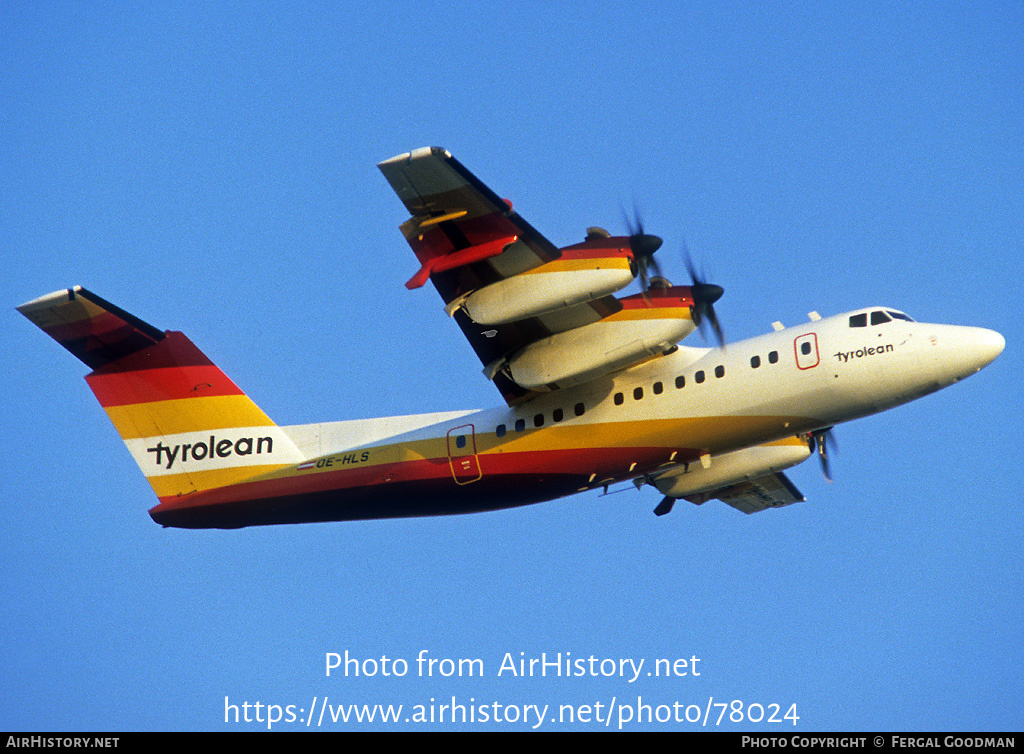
(188, 426)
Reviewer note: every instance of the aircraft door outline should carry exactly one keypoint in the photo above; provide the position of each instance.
(806, 349)
(462, 455)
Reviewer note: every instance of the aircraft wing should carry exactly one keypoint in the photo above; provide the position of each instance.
(539, 318)
(463, 234)
(771, 491)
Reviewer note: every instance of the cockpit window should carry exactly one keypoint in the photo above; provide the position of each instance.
(900, 315)
(877, 318)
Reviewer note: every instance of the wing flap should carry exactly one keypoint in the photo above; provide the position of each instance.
(463, 234)
(770, 491)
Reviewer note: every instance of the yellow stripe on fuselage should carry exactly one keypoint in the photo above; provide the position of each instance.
(199, 481)
(714, 433)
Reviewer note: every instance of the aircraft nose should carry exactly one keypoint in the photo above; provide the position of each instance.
(974, 348)
(987, 345)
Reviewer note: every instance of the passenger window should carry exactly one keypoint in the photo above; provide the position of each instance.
(578, 409)
(538, 420)
(699, 377)
(878, 318)
(719, 371)
(638, 393)
(680, 381)
(773, 357)
(520, 425)
(859, 320)
(557, 414)
(658, 387)
(755, 362)
(500, 431)
(619, 398)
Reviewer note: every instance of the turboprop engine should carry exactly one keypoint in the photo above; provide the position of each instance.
(731, 468)
(647, 325)
(584, 272)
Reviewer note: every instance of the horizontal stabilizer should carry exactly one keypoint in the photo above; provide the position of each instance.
(188, 426)
(93, 330)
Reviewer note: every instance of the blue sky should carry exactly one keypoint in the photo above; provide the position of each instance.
(211, 168)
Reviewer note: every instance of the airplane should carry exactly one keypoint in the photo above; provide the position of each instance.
(597, 389)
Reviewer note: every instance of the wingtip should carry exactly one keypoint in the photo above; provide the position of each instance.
(49, 300)
(414, 155)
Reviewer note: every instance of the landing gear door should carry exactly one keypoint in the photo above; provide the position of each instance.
(462, 457)
(806, 348)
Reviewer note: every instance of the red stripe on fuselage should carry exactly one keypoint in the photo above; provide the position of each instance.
(391, 490)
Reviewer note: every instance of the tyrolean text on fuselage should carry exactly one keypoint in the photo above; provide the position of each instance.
(845, 356)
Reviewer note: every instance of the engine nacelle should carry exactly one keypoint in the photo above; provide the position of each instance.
(583, 273)
(579, 355)
(648, 325)
(541, 291)
(732, 468)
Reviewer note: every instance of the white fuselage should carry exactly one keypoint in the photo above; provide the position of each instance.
(799, 379)
(691, 422)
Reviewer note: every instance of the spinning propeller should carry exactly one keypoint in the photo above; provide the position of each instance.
(704, 297)
(823, 441)
(643, 247)
(705, 294)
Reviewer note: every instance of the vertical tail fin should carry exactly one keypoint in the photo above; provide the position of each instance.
(188, 426)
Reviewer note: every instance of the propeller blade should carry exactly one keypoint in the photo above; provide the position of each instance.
(704, 297)
(643, 245)
(823, 442)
